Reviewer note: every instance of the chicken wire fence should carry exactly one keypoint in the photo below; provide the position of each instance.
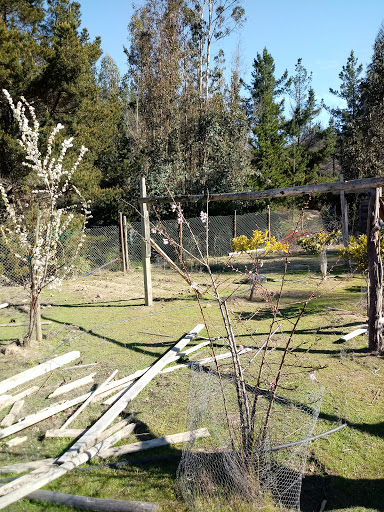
(216, 474)
(102, 244)
(190, 236)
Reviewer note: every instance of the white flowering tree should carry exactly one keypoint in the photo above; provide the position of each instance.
(36, 222)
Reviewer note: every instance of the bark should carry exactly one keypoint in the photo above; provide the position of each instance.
(375, 273)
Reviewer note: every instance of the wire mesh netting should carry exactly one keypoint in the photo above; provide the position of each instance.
(191, 235)
(223, 475)
(102, 244)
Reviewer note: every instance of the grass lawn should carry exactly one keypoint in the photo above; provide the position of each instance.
(103, 317)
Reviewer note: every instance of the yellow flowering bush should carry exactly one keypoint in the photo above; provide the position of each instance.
(357, 251)
(318, 242)
(258, 239)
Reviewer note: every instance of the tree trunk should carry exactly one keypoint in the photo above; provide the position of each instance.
(323, 263)
(375, 273)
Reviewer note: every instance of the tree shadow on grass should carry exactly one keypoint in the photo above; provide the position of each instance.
(136, 346)
(118, 303)
(341, 493)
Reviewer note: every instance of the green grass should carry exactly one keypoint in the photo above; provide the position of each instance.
(103, 316)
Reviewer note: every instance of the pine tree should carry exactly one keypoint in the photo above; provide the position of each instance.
(309, 145)
(266, 121)
(347, 119)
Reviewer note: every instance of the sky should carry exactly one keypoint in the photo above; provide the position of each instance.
(322, 33)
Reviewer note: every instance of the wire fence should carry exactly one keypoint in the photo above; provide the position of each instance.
(191, 235)
(102, 244)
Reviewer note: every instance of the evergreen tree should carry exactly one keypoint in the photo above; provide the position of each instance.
(309, 145)
(347, 118)
(19, 64)
(372, 113)
(266, 121)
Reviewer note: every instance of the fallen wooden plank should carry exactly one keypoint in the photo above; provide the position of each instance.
(16, 441)
(21, 324)
(186, 353)
(76, 367)
(86, 503)
(65, 388)
(106, 419)
(22, 467)
(76, 432)
(183, 437)
(88, 400)
(32, 419)
(10, 418)
(37, 371)
(355, 333)
(41, 476)
(206, 360)
(194, 349)
(6, 400)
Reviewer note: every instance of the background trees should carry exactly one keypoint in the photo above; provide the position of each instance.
(178, 116)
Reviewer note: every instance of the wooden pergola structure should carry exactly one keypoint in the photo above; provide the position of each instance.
(375, 270)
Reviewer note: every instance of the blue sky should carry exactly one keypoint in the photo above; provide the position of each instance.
(321, 32)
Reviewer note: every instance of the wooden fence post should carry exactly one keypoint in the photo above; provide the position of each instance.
(125, 230)
(122, 242)
(146, 245)
(344, 215)
(235, 225)
(375, 273)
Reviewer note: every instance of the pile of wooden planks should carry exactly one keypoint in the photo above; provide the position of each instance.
(97, 440)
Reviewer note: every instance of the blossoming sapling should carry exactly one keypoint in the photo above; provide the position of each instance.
(36, 223)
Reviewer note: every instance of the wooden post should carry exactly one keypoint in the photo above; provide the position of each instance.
(122, 242)
(235, 225)
(125, 229)
(146, 245)
(269, 222)
(375, 273)
(181, 235)
(344, 215)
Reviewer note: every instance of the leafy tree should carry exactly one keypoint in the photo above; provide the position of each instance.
(179, 138)
(266, 121)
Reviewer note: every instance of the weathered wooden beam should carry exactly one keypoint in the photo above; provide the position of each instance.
(206, 360)
(37, 371)
(13, 414)
(86, 503)
(87, 439)
(39, 477)
(183, 437)
(6, 400)
(353, 334)
(32, 419)
(146, 246)
(65, 388)
(16, 441)
(76, 432)
(171, 263)
(22, 467)
(375, 273)
(119, 393)
(361, 185)
(88, 400)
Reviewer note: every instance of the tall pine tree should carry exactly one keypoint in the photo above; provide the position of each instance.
(266, 121)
